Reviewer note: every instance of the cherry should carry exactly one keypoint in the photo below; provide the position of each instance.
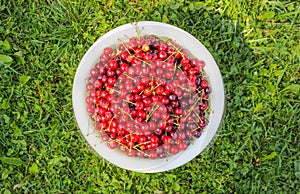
(122, 47)
(111, 81)
(185, 67)
(98, 65)
(142, 139)
(172, 97)
(169, 74)
(102, 70)
(90, 108)
(148, 91)
(147, 109)
(111, 144)
(204, 84)
(113, 65)
(166, 139)
(163, 155)
(153, 155)
(107, 50)
(158, 63)
(201, 63)
(182, 146)
(90, 86)
(159, 90)
(166, 147)
(104, 58)
(197, 133)
(159, 71)
(145, 47)
(124, 55)
(174, 149)
(147, 101)
(92, 92)
(162, 125)
(192, 71)
(137, 97)
(142, 114)
(123, 67)
(147, 57)
(94, 72)
(133, 113)
(136, 62)
(139, 54)
(162, 55)
(162, 47)
(178, 92)
(130, 58)
(91, 80)
(155, 98)
(104, 79)
(185, 61)
(152, 39)
(202, 124)
(181, 135)
(140, 87)
(130, 97)
(113, 54)
(170, 50)
(154, 139)
(152, 74)
(134, 138)
(131, 152)
(169, 108)
(203, 106)
(165, 100)
(168, 88)
(149, 147)
(168, 128)
(118, 72)
(208, 90)
(156, 115)
(192, 78)
(152, 125)
(89, 100)
(144, 79)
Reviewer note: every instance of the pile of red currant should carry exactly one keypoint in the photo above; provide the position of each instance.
(148, 97)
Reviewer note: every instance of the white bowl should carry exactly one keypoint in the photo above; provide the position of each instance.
(187, 41)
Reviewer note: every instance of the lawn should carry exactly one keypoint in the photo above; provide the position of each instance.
(255, 43)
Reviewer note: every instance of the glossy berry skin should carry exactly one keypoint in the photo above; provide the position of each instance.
(123, 67)
(124, 55)
(159, 90)
(204, 84)
(162, 55)
(107, 51)
(104, 58)
(113, 65)
(166, 139)
(111, 81)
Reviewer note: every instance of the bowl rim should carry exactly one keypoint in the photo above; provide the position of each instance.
(175, 160)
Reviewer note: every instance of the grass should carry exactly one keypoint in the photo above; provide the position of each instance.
(255, 43)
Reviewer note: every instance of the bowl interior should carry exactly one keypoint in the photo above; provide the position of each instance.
(188, 42)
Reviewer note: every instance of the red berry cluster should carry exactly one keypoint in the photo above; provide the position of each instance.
(148, 97)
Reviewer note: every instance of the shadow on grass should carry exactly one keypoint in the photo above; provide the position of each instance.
(224, 38)
(254, 125)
